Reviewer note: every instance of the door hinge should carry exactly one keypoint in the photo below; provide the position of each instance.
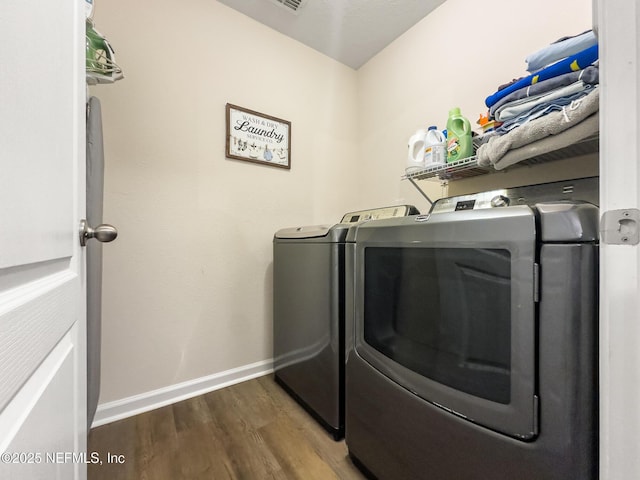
(620, 227)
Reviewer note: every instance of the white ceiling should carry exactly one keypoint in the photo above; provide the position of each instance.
(350, 31)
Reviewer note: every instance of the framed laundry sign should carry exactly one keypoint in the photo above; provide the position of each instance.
(256, 137)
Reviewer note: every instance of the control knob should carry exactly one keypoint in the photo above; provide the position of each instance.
(500, 201)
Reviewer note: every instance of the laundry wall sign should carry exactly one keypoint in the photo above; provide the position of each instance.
(256, 137)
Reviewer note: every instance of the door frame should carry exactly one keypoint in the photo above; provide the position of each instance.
(617, 23)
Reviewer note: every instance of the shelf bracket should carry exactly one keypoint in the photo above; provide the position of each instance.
(420, 190)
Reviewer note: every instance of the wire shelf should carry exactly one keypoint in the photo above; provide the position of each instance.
(468, 167)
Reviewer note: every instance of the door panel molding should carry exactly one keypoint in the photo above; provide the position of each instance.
(33, 317)
(33, 422)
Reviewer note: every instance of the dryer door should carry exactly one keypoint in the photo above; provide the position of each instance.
(446, 308)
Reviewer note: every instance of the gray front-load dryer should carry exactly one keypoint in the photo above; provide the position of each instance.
(309, 313)
(475, 347)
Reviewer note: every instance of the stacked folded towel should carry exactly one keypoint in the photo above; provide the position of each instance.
(560, 95)
(562, 72)
(557, 130)
(560, 49)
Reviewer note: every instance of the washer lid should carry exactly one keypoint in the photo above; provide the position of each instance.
(309, 231)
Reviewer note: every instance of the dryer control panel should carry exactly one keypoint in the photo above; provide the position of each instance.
(379, 213)
(581, 189)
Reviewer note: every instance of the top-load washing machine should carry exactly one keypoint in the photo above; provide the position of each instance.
(309, 313)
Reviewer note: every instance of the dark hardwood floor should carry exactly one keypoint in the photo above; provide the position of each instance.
(250, 431)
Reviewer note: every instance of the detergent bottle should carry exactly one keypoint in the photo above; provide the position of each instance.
(435, 147)
(415, 156)
(459, 142)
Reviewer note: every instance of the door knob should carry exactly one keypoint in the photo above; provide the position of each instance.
(103, 233)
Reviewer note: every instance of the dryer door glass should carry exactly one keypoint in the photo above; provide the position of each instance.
(450, 317)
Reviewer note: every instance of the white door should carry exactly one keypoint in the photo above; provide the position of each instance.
(42, 306)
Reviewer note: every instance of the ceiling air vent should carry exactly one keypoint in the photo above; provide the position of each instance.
(291, 5)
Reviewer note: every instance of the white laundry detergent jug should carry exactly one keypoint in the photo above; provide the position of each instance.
(435, 147)
(88, 8)
(415, 157)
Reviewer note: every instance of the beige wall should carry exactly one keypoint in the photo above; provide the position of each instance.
(188, 283)
(454, 57)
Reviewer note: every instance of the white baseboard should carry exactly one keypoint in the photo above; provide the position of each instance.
(130, 406)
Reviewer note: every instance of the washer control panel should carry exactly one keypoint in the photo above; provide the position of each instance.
(379, 213)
